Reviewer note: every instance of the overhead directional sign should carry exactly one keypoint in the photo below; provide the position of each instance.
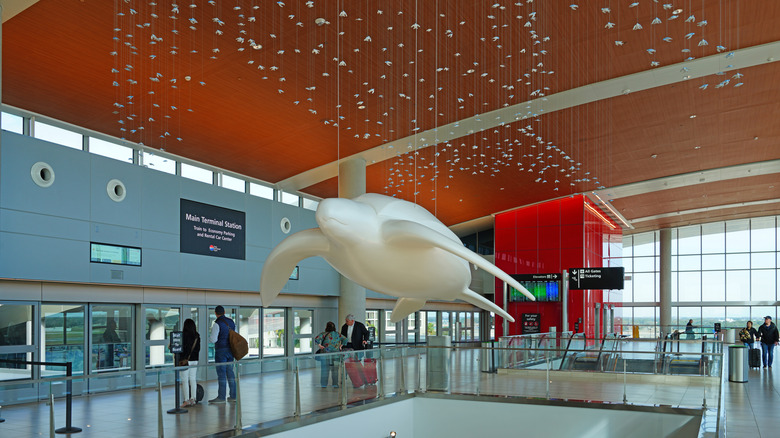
(596, 278)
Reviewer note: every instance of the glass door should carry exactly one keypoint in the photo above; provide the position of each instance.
(63, 340)
(17, 335)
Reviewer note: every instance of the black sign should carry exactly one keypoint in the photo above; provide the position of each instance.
(596, 278)
(555, 276)
(214, 231)
(531, 323)
(177, 342)
(717, 327)
(372, 334)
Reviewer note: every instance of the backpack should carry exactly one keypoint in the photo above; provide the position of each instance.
(239, 347)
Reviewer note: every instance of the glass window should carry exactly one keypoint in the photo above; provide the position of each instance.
(273, 332)
(288, 198)
(372, 320)
(430, 317)
(475, 327)
(411, 328)
(762, 285)
(645, 318)
(713, 286)
(157, 162)
(57, 135)
(738, 236)
(712, 262)
(762, 260)
(63, 337)
(738, 285)
(302, 322)
(197, 173)
(757, 314)
(628, 250)
(16, 324)
(689, 263)
(644, 264)
(644, 287)
(160, 322)
(112, 333)
(13, 123)
(628, 289)
(249, 327)
(738, 261)
(110, 150)
(445, 324)
(738, 316)
(233, 183)
(709, 316)
(689, 240)
(713, 240)
(310, 204)
(689, 286)
(644, 244)
(762, 234)
(261, 191)
(389, 328)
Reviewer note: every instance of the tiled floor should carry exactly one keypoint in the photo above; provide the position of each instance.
(753, 408)
(271, 396)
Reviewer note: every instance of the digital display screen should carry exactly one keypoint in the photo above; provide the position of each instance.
(114, 254)
(212, 231)
(544, 287)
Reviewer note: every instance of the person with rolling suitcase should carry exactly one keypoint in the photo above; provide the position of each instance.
(748, 335)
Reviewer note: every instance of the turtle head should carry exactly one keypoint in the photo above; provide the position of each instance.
(345, 218)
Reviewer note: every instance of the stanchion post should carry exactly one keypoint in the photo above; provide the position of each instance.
(51, 414)
(419, 373)
(160, 433)
(704, 402)
(68, 402)
(239, 425)
(176, 408)
(343, 386)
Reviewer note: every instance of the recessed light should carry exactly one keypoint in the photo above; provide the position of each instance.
(755, 138)
(697, 147)
(362, 107)
(687, 77)
(693, 116)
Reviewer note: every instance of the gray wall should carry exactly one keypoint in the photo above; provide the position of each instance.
(45, 232)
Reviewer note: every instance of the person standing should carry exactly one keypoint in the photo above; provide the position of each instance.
(355, 332)
(329, 341)
(219, 337)
(189, 357)
(689, 330)
(748, 335)
(111, 338)
(769, 338)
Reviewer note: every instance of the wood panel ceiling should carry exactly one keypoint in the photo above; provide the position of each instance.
(260, 88)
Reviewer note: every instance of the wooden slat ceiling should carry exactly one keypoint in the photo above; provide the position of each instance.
(258, 88)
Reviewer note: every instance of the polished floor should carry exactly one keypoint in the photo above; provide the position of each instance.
(271, 396)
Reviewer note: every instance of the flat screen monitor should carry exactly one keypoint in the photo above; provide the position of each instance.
(544, 287)
(114, 254)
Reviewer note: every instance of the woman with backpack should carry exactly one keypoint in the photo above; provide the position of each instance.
(329, 341)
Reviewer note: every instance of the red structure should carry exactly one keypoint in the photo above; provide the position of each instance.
(552, 237)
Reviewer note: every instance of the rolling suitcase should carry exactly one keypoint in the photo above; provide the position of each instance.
(754, 358)
(369, 371)
(355, 372)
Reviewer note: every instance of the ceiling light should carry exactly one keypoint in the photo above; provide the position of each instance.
(362, 107)
(626, 91)
(687, 77)
(755, 138)
(677, 11)
(697, 147)
(693, 116)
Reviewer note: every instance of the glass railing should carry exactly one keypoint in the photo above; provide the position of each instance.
(275, 391)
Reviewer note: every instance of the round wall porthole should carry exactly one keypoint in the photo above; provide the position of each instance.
(42, 174)
(116, 190)
(286, 225)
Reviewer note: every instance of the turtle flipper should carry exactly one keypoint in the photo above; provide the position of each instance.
(405, 307)
(478, 300)
(282, 260)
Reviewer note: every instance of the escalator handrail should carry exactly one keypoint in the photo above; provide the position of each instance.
(566, 352)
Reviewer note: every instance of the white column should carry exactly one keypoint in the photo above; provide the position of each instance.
(352, 183)
(665, 268)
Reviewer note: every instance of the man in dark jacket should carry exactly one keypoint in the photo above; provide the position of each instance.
(355, 332)
(219, 336)
(769, 338)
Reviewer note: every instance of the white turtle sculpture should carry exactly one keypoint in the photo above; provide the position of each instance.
(387, 245)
